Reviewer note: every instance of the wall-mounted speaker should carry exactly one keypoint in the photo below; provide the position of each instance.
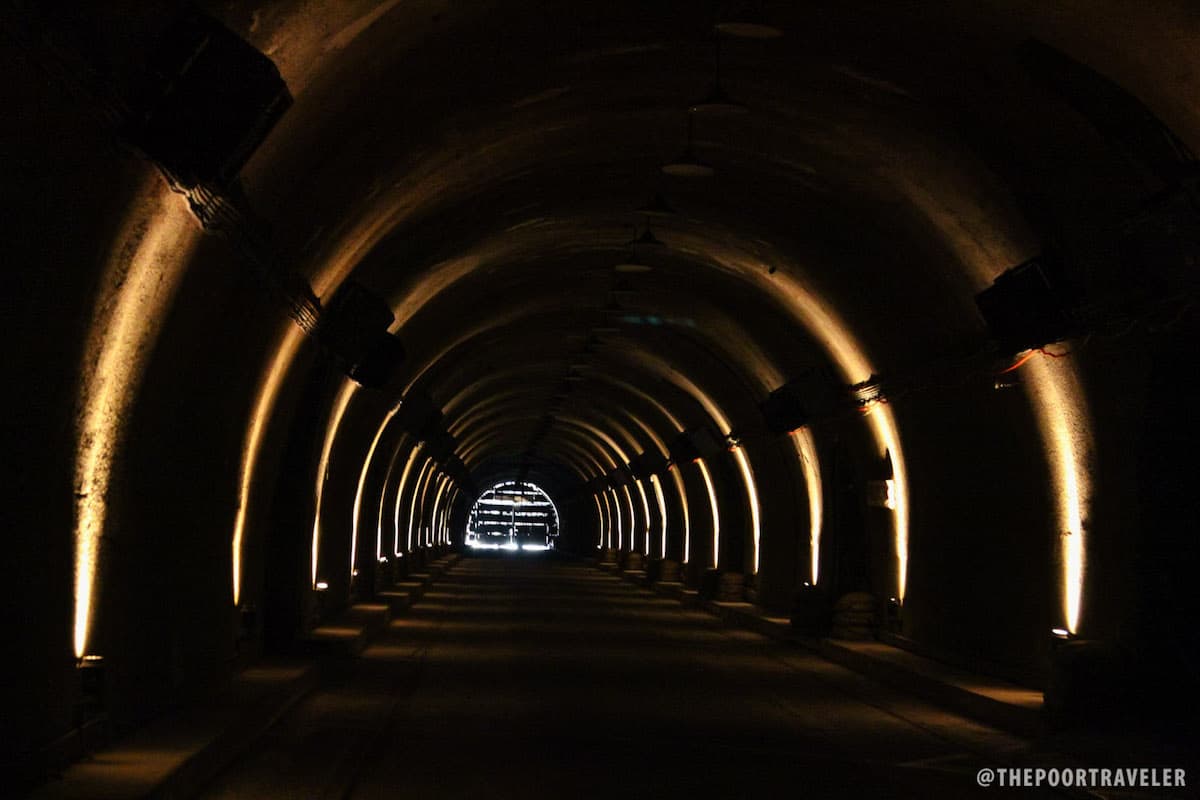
(694, 444)
(620, 477)
(1029, 306)
(440, 447)
(646, 464)
(784, 410)
(353, 327)
(206, 102)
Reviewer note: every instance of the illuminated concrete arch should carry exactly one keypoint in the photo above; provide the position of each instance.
(852, 229)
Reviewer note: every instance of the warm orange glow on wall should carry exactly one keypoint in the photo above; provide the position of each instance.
(609, 520)
(358, 493)
(646, 510)
(443, 482)
(143, 275)
(1066, 430)
(806, 449)
(815, 315)
(687, 517)
(752, 499)
(716, 514)
(264, 404)
(632, 518)
(722, 422)
(331, 430)
(418, 496)
(884, 425)
(662, 514)
(387, 481)
(620, 526)
(599, 522)
(412, 456)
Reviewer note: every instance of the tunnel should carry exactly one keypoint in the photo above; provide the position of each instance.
(849, 343)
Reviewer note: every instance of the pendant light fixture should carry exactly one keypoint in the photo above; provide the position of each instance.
(746, 20)
(657, 206)
(687, 165)
(717, 102)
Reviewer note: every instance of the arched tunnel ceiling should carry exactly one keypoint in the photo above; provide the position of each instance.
(892, 164)
(479, 167)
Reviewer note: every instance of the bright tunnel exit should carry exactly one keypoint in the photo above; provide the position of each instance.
(513, 516)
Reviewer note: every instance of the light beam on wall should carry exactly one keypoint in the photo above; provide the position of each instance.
(884, 425)
(412, 457)
(687, 517)
(816, 316)
(1066, 430)
(716, 514)
(662, 514)
(140, 282)
(599, 523)
(383, 493)
(632, 518)
(412, 507)
(806, 449)
(646, 510)
(608, 518)
(743, 462)
(620, 527)
(443, 482)
(358, 492)
(335, 420)
(264, 402)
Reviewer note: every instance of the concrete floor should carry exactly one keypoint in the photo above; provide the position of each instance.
(541, 677)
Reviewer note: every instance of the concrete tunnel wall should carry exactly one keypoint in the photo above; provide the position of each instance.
(892, 166)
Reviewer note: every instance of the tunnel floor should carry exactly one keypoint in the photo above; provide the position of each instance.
(543, 677)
